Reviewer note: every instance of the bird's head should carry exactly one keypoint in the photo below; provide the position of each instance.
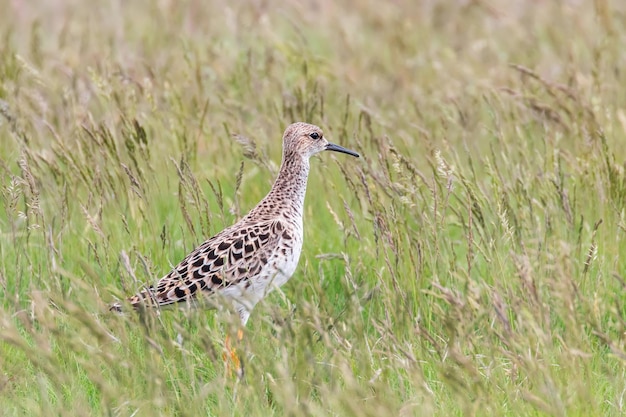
(306, 140)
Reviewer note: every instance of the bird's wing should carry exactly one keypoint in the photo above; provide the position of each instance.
(235, 255)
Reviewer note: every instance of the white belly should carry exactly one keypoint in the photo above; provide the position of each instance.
(276, 272)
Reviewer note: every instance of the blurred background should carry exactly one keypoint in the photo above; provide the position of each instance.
(470, 263)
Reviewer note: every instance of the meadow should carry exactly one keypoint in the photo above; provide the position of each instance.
(470, 263)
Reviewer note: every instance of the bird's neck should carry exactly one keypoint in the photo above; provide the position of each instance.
(287, 194)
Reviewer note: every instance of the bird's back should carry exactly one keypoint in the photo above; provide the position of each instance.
(242, 263)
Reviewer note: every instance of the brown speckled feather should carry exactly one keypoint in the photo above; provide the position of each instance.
(229, 258)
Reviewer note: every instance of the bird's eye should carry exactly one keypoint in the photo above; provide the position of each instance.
(314, 135)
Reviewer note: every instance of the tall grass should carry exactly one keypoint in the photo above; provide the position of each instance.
(471, 263)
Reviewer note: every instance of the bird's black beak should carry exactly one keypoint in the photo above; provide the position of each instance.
(337, 148)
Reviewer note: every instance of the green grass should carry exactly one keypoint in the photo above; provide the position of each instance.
(470, 263)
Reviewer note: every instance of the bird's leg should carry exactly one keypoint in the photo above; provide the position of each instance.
(230, 355)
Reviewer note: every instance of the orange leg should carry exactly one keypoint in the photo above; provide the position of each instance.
(231, 357)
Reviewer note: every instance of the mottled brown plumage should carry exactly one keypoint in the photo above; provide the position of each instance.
(245, 261)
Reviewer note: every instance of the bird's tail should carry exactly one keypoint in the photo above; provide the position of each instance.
(117, 307)
(143, 299)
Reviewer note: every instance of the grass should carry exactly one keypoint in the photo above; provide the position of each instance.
(471, 263)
